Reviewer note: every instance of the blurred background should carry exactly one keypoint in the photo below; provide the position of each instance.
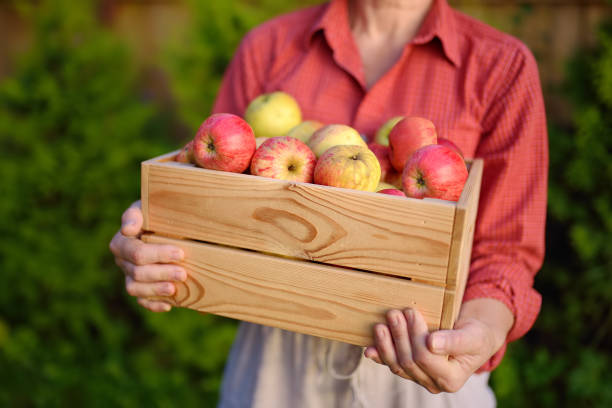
(89, 89)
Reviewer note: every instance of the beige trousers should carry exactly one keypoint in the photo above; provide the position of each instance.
(270, 368)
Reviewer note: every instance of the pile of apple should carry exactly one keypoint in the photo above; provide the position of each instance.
(406, 158)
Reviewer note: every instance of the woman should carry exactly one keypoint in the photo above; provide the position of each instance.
(360, 62)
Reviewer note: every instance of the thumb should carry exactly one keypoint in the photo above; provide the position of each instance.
(465, 340)
(131, 220)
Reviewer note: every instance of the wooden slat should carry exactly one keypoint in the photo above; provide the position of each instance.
(306, 297)
(461, 248)
(382, 233)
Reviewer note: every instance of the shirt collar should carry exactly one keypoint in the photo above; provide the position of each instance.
(439, 23)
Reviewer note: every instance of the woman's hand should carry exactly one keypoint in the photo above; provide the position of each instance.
(148, 268)
(441, 361)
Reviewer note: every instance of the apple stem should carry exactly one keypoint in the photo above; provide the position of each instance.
(291, 167)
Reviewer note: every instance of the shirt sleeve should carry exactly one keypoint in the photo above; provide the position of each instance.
(244, 76)
(508, 247)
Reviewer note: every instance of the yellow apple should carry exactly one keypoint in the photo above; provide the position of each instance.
(348, 166)
(384, 186)
(304, 130)
(334, 135)
(260, 140)
(273, 114)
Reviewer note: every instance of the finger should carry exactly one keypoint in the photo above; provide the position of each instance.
(131, 220)
(371, 353)
(139, 253)
(399, 332)
(154, 305)
(153, 272)
(402, 336)
(386, 349)
(456, 342)
(442, 373)
(147, 289)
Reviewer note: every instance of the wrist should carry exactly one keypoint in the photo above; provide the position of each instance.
(494, 314)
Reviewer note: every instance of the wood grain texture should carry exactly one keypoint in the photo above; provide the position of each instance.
(144, 193)
(461, 248)
(306, 297)
(369, 231)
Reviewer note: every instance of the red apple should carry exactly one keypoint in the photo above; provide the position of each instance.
(392, 191)
(445, 142)
(434, 171)
(348, 166)
(224, 142)
(382, 154)
(186, 154)
(408, 135)
(394, 178)
(284, 158)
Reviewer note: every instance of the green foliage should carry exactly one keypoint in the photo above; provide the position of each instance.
(216, 29)
(564, 361)
(72, 134)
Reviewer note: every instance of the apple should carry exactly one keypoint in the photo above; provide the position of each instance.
(394, 178)
(392, 191)
(333, 135)
(445, 142)
(259, 141)
(284, 158)
(382, 154)
(348, 166)
(382, 134)
(186, 154)
(304, 130)
(224, 142)
(273, 114)
(408, 135)
(434, 171)
(384, 186)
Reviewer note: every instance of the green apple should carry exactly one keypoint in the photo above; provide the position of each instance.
(382, 134)
(273, 114)
(333, 135)
(304, 130)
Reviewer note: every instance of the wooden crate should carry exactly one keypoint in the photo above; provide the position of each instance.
(346, 256)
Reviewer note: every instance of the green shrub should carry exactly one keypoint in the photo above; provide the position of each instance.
(215, 31)
(73, 131)
(564, 361)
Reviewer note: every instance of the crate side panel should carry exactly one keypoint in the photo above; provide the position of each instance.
(386, 234)
(306, 297)
(461, 248)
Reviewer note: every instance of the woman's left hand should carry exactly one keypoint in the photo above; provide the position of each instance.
(441, 361)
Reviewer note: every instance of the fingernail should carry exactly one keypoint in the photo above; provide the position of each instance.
(167, 289)
(180, 275)
(394, 320)
(438, 343)
(166, 307)
(177, 255)
(410, 316)
(380, 332)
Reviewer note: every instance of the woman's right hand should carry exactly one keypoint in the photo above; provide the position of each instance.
(149, 268)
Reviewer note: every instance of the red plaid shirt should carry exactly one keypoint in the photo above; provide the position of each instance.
(480, 88)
